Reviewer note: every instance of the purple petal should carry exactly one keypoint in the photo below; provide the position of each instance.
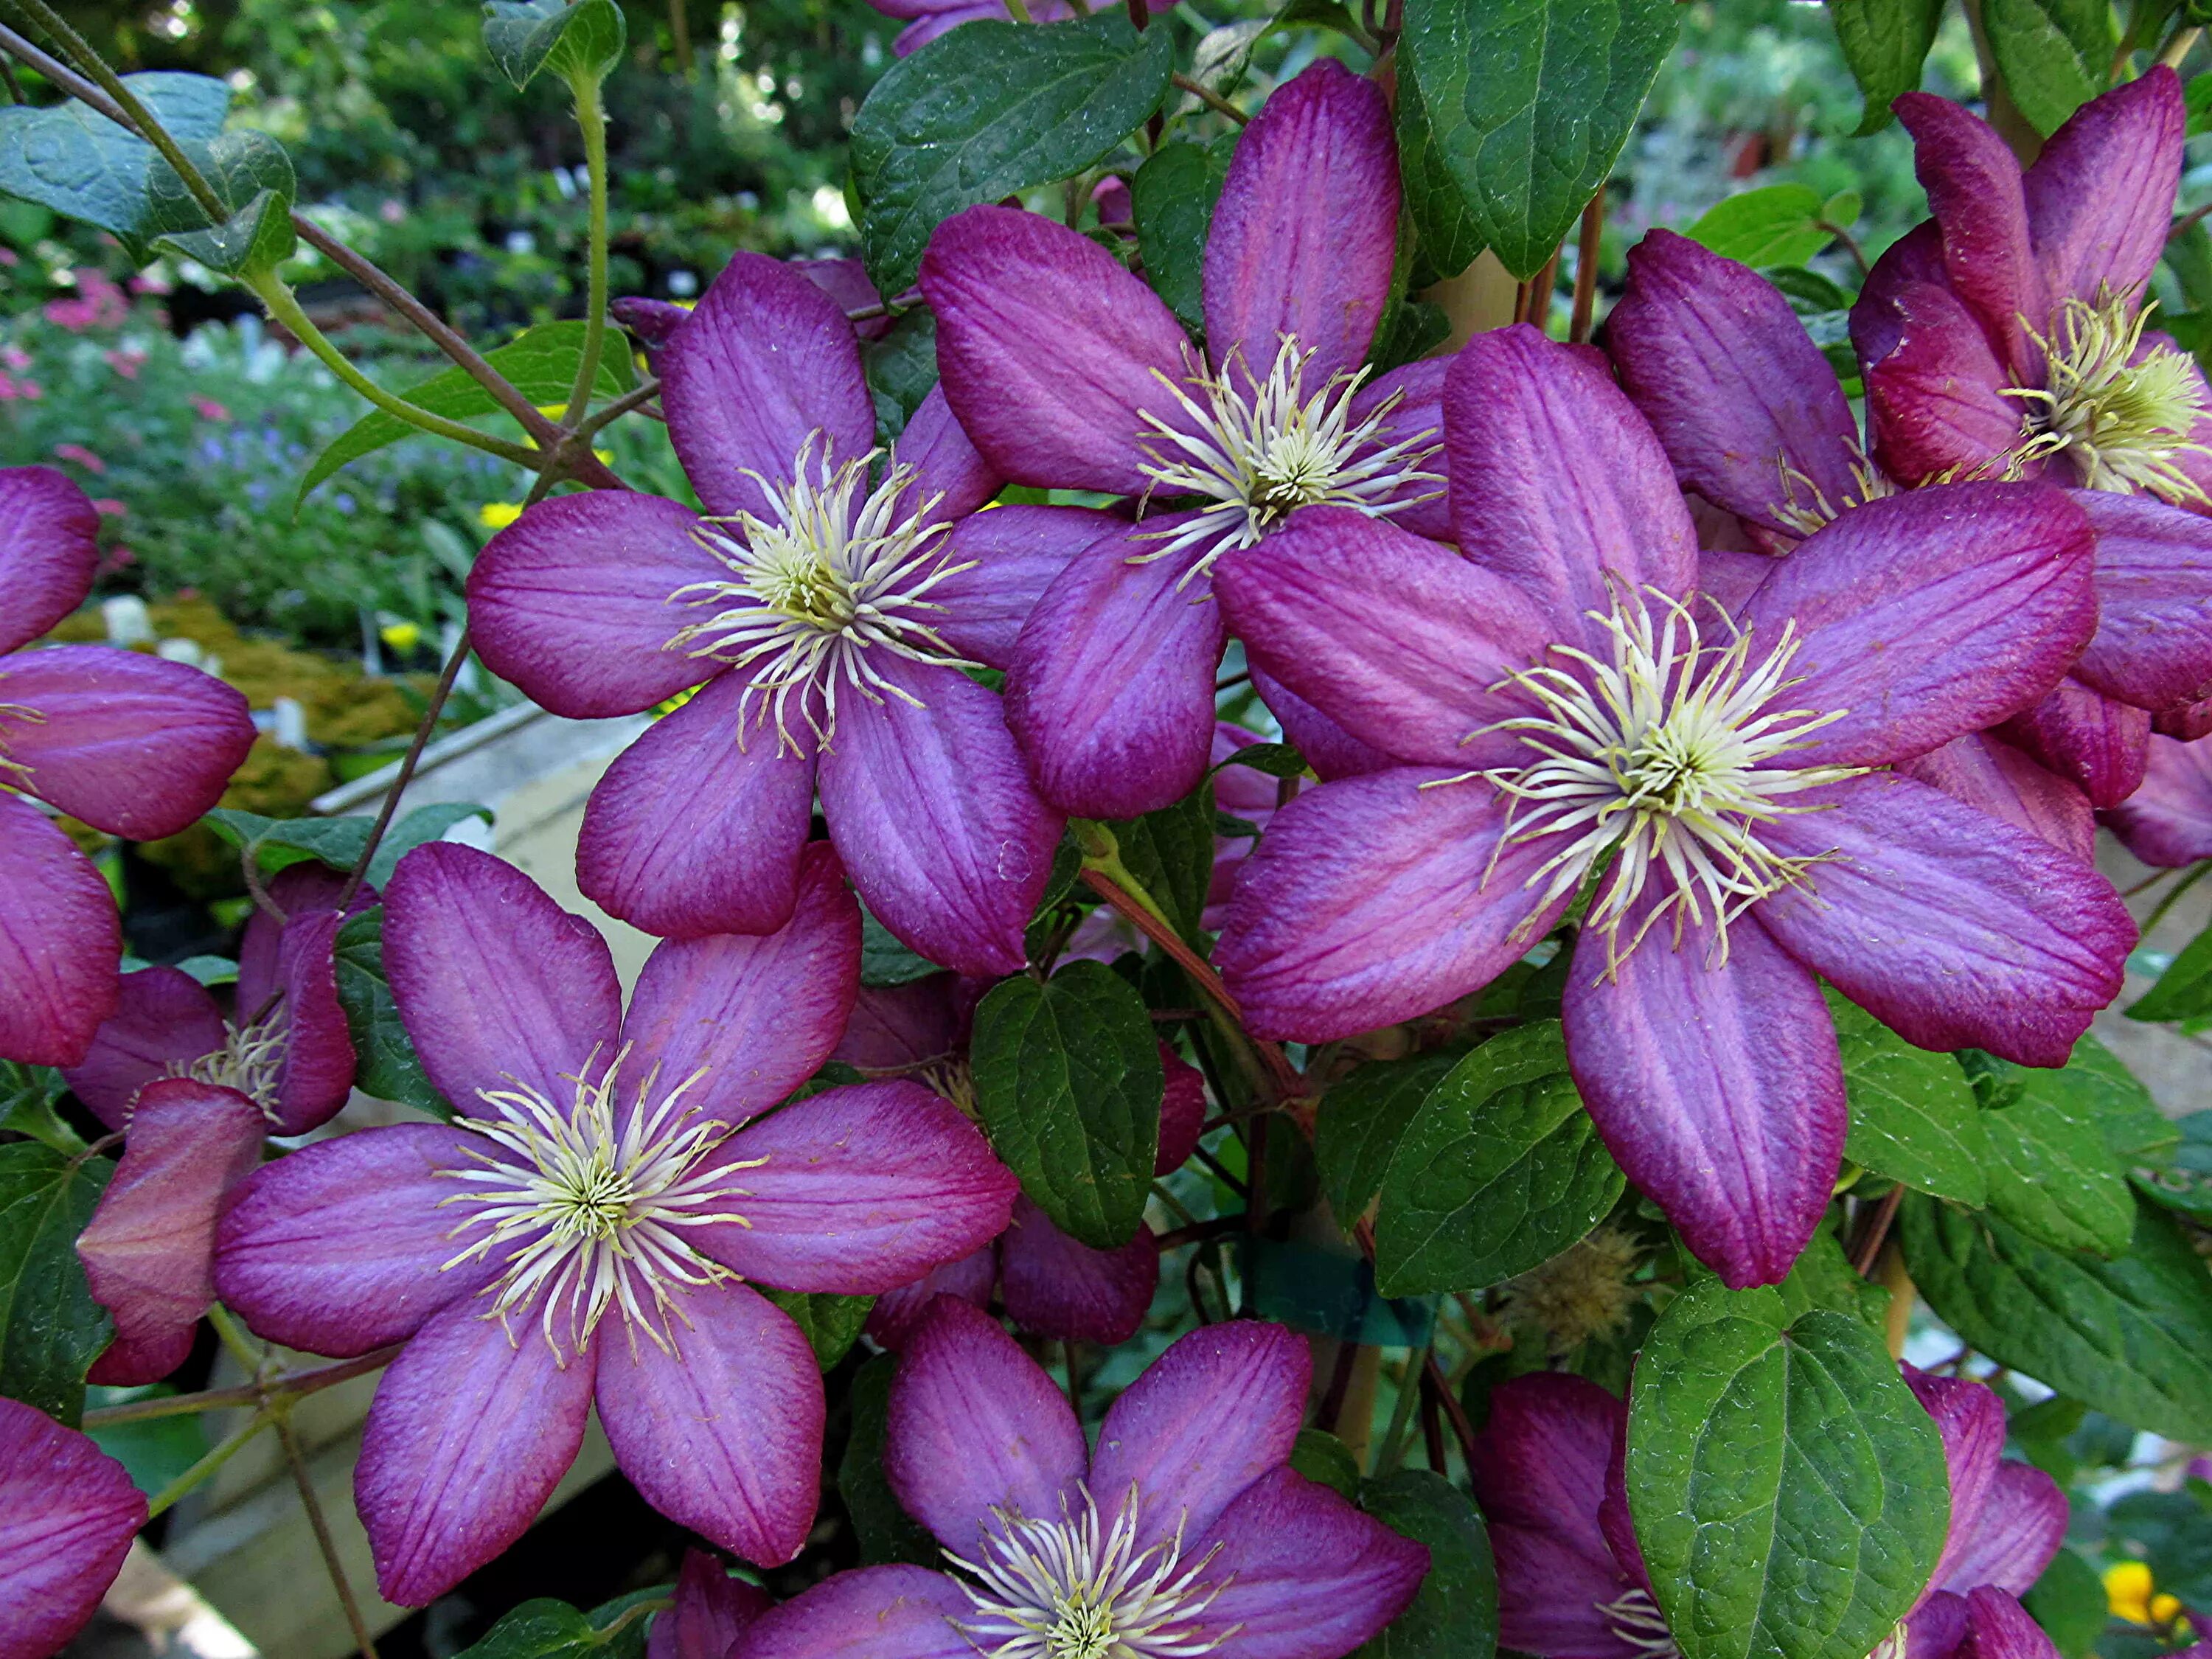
(1726, 374)
(162, 1018)
(2168, 821)
(573, 602)
(755, 1016)
(1055, 1287)
(1995, 778)
(1953, 929)
(2099, 745)
(1929, 615)
(2153, 642)
(470, 1432)
(766, 363)
(872, 1613)
(860, 1190)
(1306, 227)
(1050, 352)
(2000, 1628)
(1014, 553)
(1935, 402)
(132, 745)
(497, 984)
(2100, 195)
(1398, 640)
(846, 281)
(1183, 1112)
(301, 890)
(1975, 191)
(2014, 1535)
(68, 1513)
(1729, 577)
(712, 1610)
(49, 548)
(1716, 1085)
(1417, 417)
(723, 1435)
(652, 321)
(946, 465)
(1372, 900)
(148, 1252)
(1935, 1629)
(1877, 320)
(929, 805)
(1971, 1417)
(1539, 1473)
(1215, 1412)
(1557, 482)
(899, 1314)
(314, 1078)
(698, 827)
(1111, 691)
(2185, 722)
(60, 941)
(975, 1425)
(1332, 751)
(1309, 1577)
(341, 1247)
(896, 1026)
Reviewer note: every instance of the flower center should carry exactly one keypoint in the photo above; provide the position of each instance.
(841, 568)
(2122, 414)
(250, 1060)
(1663, 751)
(1261, 451)
(1635, 1619)
(1895, 1645)
(1805, 507)
(591, 1204)
(1075, 1588)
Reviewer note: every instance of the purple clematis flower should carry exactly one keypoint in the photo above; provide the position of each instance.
(582, 1234)
(68, 1512)
(712, 1611)
(1755, 424)
(1053, 1286)
(1564, 703)
(1185, 1533)
(132, 744)
(1068, 372)
(286, 1046)
(831, 610)
(1549, 1473)
(2006, 337)
(2168, 821)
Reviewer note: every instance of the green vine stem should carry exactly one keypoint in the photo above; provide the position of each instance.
(230, 1447)
(592, 117)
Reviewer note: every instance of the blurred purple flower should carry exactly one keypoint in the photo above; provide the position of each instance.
(68, 1513)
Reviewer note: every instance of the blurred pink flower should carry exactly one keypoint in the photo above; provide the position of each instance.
(108, 507)
(11, 388)
(97, 303)
(208, 410)
(126, 363)
(83, 457)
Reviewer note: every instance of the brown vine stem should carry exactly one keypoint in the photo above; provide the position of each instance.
(291, 1384)
(1206, 95)
(407, 765)
(321, 1527)
(1586, 252)
(1877, 1230)
(1462, 1431)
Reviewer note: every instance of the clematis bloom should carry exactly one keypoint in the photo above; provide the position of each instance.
(1068, 372)
(132, 744)
(68, 1512)
(583, 1232)
(1558, 694)
(831, 610)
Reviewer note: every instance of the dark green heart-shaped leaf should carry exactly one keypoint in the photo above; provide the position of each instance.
(253, 177)
(1788, 1490)
(1068, 1082)
(1172, 197)
(1913, 1115)
(1447, 235)
(27, 1094)
(2055, 55)
(991, 108)
(387, 1065)
(1361, 1122)
(579, 41)
(1455, 1616)
(546, 1629)
(84, 166)
(1530, 101)
(50, 1329)
(1170, 853)
(1501, 1168)
(902, 367)
(2062, 1143)
(1886, 42)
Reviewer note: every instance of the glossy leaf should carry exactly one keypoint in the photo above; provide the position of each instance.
(2062, 1143)
(2055, 55)
(27, 1094)
(387, 1067)
(583, 39)
(1913, 1115)
(546, 1629)
(1170, 853)
(886, 1532)
(1361, 1122)
(253, 177)
(1447, 237)
(85, 166)
(2180, 1178)
(1320, 1456)
(1886, 42)
(419, 828)
(884, 961)
(1455, 1616)
(831, 1323)
(50, 1329)
(902, 367)
(1775, 225)
(1172, 199)
(2183, 991)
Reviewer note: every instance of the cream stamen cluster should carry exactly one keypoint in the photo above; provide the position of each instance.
(1805, 507)
(15, 711)
(1258, 452)
(249, 1060)
(843, 567)
(1077, 1588)
(2122, 414)
(1663, 753)
(591, 1204)
(1635, 1619)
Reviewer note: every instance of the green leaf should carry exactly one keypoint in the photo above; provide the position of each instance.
(1320, 1456)
(2070, 1604)
(1362, 1120)
(887, 1533)
(276, 843)
(387, 1067)
(153, 1451)
(2132, 1338)
(1068, 1082)
(2197, 97)
(1773, 226)
(2055, 55)
(1886, 42)
(832, 1323)
(991, 108)
(541, 363)
(584, 40)
(2053, 1172)
(2103, 1090)
(418, 828)
(1500, 1171)
(1447, 236)
(1913, 1116)
(1530, 101)
(253, 177)
(85, 166)
(902, 367)
(50, 1329)
(1277, 760)
(1788, 1490)
(884, 961)
(1455, 1616)
(2181, 1179)
(546, 1629)
(27, 1094)
(1170, 853)
(2183, 991)
(1172, 199)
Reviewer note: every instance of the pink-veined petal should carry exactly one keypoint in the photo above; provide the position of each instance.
(1935, 402)
(1013, 554)
(2014, 1534)
(2168, 821)
(163, 1018)
(899, 1314)
(61, 941)
(2099, 745)
(49, 548)
(2101, 195)
(712, 1610)
(1059, 1288)
(871, 1613)
(1975, 193)
(1332, 751)
(1994, 777)
(947, 466)
(2153, 647)
(68, 1513)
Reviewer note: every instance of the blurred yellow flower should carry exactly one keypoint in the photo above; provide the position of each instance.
(401, 635)
(497, 515)
(2132, 1596)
